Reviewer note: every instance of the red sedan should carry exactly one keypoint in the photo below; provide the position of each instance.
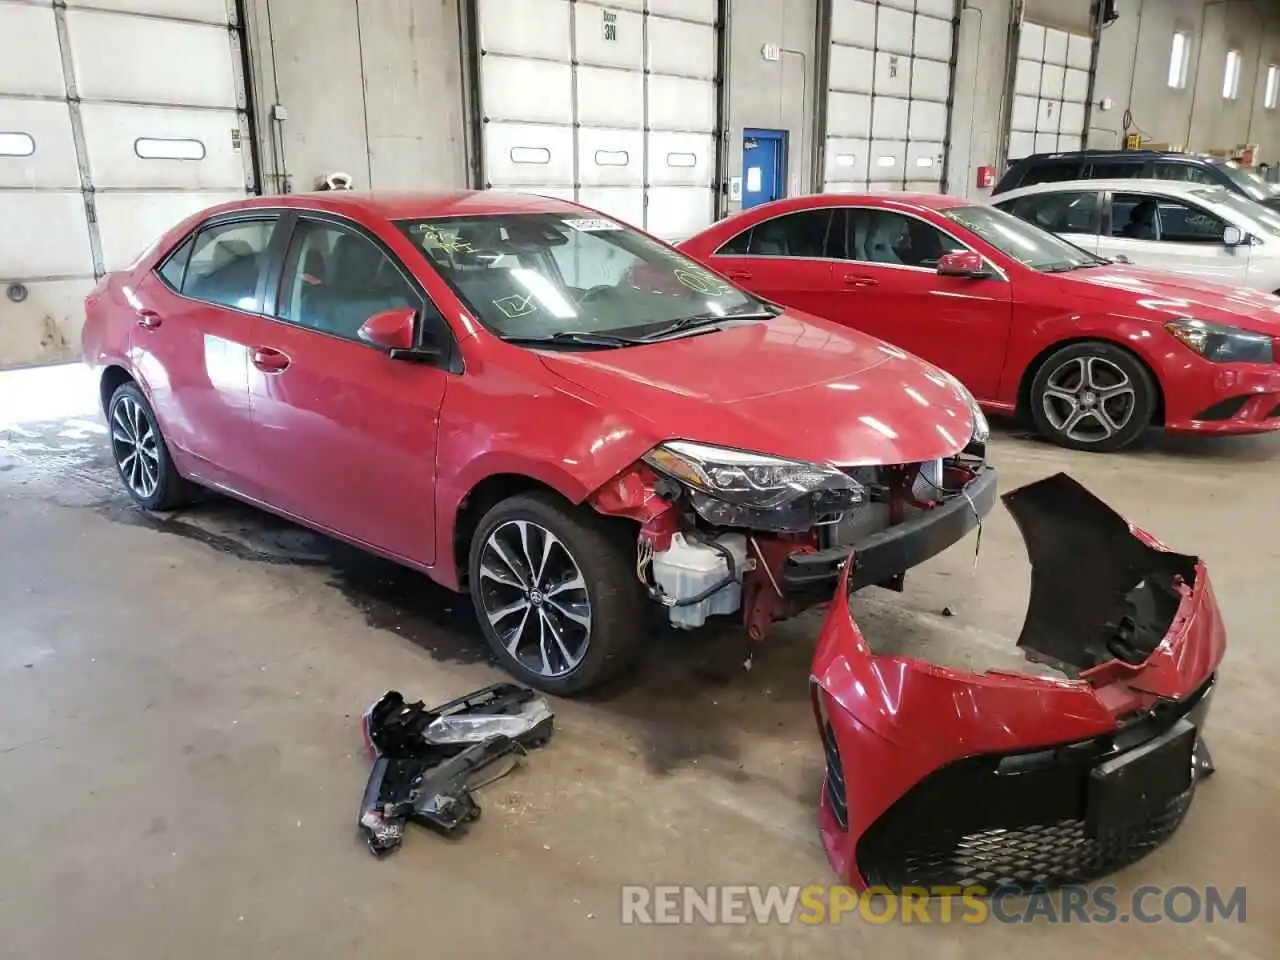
(1094, 351)
(526, 400)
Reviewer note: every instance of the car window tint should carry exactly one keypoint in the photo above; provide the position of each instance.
(226, 263)
(1056, 212)
(1054, 172)
(175, 266)
(1183, 172)
(335, 279)
(1133, 216)
(738, 246)
(1115, 169)
(800, 234)
(883, 236)
(1183, 223)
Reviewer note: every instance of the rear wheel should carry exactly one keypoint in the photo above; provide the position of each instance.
(1092, 396)
(140, 454)
(556, 593)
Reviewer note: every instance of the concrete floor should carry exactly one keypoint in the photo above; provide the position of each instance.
(180, 761)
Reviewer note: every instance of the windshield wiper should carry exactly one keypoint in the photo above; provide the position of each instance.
(583, 338)
(698, 320)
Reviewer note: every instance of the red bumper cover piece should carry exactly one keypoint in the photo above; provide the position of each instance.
(939, 778)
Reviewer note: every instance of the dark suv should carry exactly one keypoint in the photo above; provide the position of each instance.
(1118, 164)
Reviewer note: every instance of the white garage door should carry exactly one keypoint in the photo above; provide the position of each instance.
(888, 94)
(1050, 91)
(613, 106)
(117, 119)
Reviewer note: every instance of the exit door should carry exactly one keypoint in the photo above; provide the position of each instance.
(764, 166)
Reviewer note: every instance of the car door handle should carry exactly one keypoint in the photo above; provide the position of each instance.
(149, 319)
(739, 273)
(853, 280)
(269, 360)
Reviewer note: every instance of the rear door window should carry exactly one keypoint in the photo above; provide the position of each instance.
(803, 234)
(1066, 212)
(227, 264)
(1053, 171)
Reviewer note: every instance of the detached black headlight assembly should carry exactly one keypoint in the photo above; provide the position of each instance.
(738, 488)
(1219, 343)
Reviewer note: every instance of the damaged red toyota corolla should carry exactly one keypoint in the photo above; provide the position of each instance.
(525, 400)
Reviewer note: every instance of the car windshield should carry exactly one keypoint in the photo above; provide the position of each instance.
(568, 279)
(1265, 217)
(1248, 181)
(1024, 242)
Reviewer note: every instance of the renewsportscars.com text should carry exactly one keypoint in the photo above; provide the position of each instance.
(941, 905)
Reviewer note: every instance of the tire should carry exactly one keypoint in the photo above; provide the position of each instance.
(1092, 396)
(140, 453)
(585, 550)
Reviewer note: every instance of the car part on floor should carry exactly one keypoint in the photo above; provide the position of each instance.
(939, 777)
(427, 762)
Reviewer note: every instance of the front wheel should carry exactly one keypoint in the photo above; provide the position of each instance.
(556, 593)
(1092, 396)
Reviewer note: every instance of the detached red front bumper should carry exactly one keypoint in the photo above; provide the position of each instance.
(937, 777)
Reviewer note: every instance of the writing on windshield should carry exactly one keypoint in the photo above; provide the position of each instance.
(534, 276)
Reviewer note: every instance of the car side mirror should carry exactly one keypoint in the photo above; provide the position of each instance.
(396, 331)
(1234, 237)
(967, 263)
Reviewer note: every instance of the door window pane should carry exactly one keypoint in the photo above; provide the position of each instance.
(335, 279)
(227, 262)
(882, 236)
(1115, 170)
(1183, 223)
(1051, 173)
(176, 266)
(1133, 216)
(801, 234)
(1056, 212)
(1184, 172)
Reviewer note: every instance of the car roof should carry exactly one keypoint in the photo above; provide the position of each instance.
(1168, 188)
(1123, 155)
(917, 201)
(410, 205)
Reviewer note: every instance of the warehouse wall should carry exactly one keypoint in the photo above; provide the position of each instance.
(1133, 67)
(977, 118)
(372, 88)
(773, 94)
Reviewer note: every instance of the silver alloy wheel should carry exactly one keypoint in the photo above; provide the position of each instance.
(1089, 399)
(535, 598)
(136, 447)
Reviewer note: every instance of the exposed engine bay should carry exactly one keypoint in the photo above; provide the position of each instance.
(725, 534)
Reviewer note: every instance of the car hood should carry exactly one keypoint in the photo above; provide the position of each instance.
(792, 386)
(1162, 296)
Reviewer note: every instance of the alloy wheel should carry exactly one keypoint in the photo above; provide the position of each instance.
(535, 597)
(135, 445)
(1089, 399)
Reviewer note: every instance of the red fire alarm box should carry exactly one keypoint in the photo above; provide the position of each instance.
(986, 177)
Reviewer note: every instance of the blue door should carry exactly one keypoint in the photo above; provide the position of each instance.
(764, 166)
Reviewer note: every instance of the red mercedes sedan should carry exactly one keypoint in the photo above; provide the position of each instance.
(1094, 351)
(528, 401)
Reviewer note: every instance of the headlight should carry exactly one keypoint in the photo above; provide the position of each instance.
(1219, 343)
(981, 429)
(748, 479)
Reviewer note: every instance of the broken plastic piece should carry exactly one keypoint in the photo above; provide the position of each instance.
(427, 761)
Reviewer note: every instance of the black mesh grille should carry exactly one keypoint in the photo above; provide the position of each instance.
(834, 785)
(898, 854)
(1020, 819)
(1223, 409)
